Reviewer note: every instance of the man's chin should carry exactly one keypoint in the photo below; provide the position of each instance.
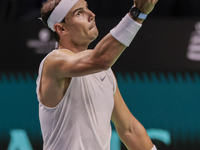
(96, 34)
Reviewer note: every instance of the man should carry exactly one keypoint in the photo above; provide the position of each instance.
(77, 91)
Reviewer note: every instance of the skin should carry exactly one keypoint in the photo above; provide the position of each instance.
(78, 31)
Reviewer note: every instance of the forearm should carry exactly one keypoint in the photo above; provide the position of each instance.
(120, 37)
(109, 49)
(113, 44)
(136, 138)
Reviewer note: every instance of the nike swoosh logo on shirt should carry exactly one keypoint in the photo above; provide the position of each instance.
(102, 79)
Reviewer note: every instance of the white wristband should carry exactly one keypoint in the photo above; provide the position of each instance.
(126, 30)
(154, 148)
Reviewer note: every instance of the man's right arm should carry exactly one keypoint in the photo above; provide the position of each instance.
(102, 57)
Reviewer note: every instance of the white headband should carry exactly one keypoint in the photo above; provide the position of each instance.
(60, 12)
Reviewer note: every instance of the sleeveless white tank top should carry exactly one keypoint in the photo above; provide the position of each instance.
(81, 121)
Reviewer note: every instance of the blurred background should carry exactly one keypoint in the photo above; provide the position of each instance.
(158, 75)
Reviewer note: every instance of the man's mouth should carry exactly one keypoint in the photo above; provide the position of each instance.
(94, 24)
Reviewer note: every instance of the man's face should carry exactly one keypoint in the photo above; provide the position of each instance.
(80, 23)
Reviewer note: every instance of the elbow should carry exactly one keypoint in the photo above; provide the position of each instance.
(105, 63)
(135, 128)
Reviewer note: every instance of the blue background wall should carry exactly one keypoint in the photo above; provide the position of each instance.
(166, 101)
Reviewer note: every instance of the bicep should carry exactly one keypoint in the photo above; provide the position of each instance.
(68, 64)
(64, 63)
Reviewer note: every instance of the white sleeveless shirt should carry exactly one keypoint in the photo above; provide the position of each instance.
(81, 121)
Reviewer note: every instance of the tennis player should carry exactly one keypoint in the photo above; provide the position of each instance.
(77, 91)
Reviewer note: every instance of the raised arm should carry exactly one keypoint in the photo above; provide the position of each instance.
(68, 64)
(106, 52)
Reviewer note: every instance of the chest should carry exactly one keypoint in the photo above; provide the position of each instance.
(95, 91)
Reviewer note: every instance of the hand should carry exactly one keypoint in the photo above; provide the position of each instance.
(145, 6)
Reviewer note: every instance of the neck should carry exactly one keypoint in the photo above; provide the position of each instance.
(72, 46)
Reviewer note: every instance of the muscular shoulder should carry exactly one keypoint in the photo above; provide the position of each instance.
(55, 60)
(57, 56)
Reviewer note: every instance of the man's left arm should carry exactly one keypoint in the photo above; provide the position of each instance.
(130, 130)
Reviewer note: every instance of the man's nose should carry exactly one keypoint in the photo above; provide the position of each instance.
(91, 15)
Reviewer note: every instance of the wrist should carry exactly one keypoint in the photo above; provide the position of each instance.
(126, 30)
(137, 15)
(136, 19)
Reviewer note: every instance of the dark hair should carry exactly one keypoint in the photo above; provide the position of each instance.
(46, 11)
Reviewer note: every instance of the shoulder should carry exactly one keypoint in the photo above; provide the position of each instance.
(55, 60)
(57, 57)
(58, 54)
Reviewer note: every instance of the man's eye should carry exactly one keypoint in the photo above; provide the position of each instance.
(79, 13)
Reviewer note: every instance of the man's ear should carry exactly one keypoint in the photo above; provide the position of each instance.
(60, 29)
